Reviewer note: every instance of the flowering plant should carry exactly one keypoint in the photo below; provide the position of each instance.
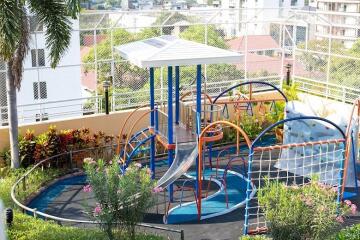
(121, 199)
(302, 212)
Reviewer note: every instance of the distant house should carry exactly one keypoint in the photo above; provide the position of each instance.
(257, 44)
(263, 55)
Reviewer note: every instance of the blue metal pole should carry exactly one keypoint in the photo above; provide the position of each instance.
(177, 94)
(198, 115)
(198, 95)
(170, 125)
(248, 192)
(152, 123)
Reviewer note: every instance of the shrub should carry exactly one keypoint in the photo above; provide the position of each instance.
(27, 146)
(301, 212)
(34, 181)
(349, 233)
(122, 200)
(36, 148)
(29, 228)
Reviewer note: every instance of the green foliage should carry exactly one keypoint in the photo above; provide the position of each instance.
(122, 200)
(343, 70)
(29, 228)
(36, 148)
(349, 233)
(196, 33)
(34, 181)
(252, 125)
(300, 212)
(291, 92)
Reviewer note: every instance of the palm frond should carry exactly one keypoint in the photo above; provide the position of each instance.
(10, 27)
(54, 15)
(73, 8)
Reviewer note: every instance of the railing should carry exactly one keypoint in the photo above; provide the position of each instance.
(161, 122)
(43, 111)
(66, 162)
(329, 90)
(280, 24)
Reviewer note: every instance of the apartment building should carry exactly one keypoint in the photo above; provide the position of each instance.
(339, 19)
(43, 88)
(256, 12)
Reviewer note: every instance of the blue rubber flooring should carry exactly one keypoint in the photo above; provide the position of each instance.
(215, 204)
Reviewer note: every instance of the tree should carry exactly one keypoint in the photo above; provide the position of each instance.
(14, 45)
(197, 33)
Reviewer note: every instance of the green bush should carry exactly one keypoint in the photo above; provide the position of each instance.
(300, 212)
(29, 228)
(34, 181)
(122, 199)
(36, 148)
(349, 233)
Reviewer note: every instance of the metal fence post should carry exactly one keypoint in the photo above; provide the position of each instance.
(288, 73)
(71, 159)
(182, 235)
(24, 183)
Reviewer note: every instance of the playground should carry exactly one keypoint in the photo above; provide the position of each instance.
(208, 160)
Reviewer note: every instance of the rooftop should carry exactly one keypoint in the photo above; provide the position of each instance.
(172, 51)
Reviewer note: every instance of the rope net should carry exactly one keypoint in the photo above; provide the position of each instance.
(292, 164)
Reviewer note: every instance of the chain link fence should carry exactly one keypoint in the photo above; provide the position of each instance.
(322, 48)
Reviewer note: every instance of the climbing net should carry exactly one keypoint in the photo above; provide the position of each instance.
(292, 165)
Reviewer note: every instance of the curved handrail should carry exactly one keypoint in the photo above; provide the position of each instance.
(249, 83)
(184, 95)
(69, 220)
(350, 141)
(123, 127)
(132, 129)
(136, 148)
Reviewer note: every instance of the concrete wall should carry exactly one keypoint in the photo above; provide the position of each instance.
(110, 124)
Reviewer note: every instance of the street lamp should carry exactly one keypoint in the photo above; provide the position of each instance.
(106, 86)
(288, 70)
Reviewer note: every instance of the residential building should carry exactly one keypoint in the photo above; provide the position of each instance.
(43, 88)
(254, 12)
(339, 19)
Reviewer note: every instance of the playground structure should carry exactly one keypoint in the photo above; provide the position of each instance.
(189, 127)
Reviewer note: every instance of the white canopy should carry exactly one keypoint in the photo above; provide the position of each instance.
(169, 50)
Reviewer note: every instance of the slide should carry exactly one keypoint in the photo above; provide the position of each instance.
(185, 156)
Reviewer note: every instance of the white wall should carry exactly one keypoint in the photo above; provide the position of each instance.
(62, 82)
(258, 13)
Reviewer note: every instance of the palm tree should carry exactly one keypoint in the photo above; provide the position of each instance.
(14, 45)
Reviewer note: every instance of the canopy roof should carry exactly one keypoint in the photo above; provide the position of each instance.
(169, 50)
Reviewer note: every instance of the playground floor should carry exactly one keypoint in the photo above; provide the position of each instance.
(72, 203)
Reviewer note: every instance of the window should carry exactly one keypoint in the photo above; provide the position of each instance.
(358, 32)
(35, 25)
(293, 2)
(43, 116)
(344, 7)
(38, 57)
(40, 90)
